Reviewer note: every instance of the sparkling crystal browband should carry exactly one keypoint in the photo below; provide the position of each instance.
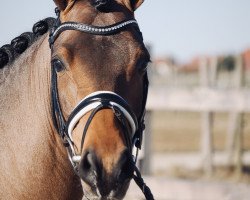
(97, 30)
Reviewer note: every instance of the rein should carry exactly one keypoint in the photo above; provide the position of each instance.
(97, 101)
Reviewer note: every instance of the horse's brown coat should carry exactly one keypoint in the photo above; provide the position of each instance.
(34, 164)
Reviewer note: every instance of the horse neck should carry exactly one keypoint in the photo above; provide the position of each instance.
(25, 87)
(26, 129)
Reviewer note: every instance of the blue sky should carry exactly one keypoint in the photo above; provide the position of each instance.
(180, 28)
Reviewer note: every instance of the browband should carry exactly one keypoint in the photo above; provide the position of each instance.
(95, 30)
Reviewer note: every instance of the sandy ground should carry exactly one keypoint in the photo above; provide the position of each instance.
(176, 189)
(165, 187)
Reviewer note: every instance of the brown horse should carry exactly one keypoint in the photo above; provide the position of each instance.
(86, 93)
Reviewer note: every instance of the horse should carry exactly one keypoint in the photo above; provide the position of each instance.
(73, 94)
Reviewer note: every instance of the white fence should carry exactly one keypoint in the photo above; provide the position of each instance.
(199, 100)
(206, 99)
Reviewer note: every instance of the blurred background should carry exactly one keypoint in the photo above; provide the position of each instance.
(197, 140)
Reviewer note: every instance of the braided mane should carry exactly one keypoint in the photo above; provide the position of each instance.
(9, 52)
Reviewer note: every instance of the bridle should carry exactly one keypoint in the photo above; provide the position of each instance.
(97, 101)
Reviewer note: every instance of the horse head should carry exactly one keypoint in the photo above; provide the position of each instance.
(99, 72)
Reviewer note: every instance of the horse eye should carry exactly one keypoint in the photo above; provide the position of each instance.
(58, 65)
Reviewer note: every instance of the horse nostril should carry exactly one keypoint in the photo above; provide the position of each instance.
(88, 166)
(126, 166)
(87, 161)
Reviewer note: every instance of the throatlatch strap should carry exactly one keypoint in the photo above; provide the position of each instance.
(57, 116)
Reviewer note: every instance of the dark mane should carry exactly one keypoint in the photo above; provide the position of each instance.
(9, 52)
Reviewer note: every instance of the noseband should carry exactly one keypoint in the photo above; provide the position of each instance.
(96, 101)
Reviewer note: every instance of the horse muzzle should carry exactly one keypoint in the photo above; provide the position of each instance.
(96, 181)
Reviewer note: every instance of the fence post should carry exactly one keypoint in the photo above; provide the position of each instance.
(234, 142)
(145, 158)
(208, 74)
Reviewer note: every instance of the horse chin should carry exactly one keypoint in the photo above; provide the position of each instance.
(94, 194)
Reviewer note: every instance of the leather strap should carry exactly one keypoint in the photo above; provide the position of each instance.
(95, 30)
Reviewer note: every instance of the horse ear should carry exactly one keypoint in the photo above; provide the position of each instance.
(135, 4)
(62, 4)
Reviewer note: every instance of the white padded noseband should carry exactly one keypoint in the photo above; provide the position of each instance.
(92, 106)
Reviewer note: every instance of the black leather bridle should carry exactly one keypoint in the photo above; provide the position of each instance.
(97, 101)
